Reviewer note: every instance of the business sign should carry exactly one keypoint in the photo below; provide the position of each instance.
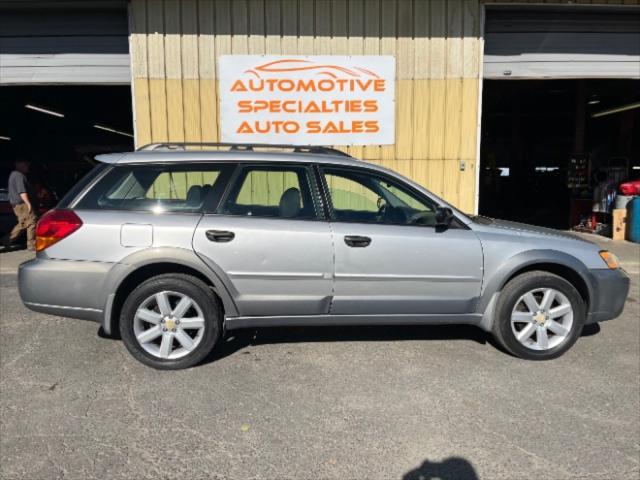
(307, 100)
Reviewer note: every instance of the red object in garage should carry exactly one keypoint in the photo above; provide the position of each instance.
(630, 188)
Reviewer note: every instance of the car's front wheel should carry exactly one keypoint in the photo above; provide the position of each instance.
(539, 316)
(170, 321)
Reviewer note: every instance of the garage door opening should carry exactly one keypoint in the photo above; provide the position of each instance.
(547, 145)
(60, 129)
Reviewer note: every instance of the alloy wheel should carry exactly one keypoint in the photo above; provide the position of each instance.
(169, 325)
(542, 319)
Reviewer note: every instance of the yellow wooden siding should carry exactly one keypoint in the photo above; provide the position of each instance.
(175, 46)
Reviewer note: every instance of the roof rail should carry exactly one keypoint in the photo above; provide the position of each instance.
(244, 147)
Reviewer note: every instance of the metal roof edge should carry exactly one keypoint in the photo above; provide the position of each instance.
(111, 157)
(173, 156)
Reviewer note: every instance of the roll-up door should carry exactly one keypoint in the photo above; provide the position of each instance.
(562, 42)
(64, 42)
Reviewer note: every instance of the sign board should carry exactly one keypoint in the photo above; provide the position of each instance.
(307, 100)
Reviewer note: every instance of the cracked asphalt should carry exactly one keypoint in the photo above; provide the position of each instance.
(334, 403)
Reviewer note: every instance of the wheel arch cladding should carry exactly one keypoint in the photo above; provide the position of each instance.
(156, 263)
(552, 261)
(563, 271)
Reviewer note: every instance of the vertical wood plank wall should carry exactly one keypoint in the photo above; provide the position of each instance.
(175, 45)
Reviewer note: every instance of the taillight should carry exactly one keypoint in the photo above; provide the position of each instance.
(55, 225)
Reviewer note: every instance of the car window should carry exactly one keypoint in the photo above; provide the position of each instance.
(159, 188)
(348, 194)
(261, 191)
(369, 198)
(79, 186)
(177, 185)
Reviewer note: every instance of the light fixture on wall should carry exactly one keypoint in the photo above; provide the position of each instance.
(44, 110)
(112, 130)
(621, 108)
(593, 100)
(6, 139)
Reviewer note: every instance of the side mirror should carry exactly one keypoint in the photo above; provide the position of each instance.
(444, 217)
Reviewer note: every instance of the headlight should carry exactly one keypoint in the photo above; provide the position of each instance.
(610, 259)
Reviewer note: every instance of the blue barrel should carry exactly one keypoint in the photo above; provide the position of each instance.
(633, 220)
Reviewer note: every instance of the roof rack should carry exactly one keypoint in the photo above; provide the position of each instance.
(243, 147)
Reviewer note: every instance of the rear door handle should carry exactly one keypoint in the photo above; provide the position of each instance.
(220, 236)
(357, 241)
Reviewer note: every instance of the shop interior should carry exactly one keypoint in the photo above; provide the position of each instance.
(59, 129)
(548, 147)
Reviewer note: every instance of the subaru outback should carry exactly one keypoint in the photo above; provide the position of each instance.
(171, 246)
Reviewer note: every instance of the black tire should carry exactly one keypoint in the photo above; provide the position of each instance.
(510, 294)
(184, 284)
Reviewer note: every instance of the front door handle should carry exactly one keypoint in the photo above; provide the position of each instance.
(220, 236)
(357, 241)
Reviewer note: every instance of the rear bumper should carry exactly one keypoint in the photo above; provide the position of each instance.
(609, 294)
(64, 287)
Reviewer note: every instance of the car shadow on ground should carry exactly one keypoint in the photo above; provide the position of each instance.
(591, 329)
(453, 468)
(237, 340)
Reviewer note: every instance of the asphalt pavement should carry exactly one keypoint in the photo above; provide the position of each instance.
(318, 403)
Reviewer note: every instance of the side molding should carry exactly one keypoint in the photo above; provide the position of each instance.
(343, 320)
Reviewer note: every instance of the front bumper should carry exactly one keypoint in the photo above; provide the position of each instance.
(64, 287)
(609, 294)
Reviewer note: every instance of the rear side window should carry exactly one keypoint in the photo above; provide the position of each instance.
(82, 183)
(159, 188)
(272, 191)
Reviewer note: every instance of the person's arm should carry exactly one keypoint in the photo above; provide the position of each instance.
(25, 198)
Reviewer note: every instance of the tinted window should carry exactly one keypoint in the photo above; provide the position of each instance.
(262, 191)
(82, 183)
(369, 198)
(159, 188)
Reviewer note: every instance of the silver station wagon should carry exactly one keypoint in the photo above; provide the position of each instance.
(170, 246)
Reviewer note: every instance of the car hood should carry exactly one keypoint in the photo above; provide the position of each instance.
(525, 229)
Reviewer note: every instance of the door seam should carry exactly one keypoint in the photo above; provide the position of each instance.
(333, 268)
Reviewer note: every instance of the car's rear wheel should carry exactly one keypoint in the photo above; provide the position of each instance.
(539, 316)
(170, 321)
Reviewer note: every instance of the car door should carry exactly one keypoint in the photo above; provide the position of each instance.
(389, 256)
(267, 238)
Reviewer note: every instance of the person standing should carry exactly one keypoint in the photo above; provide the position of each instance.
(23, 201)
